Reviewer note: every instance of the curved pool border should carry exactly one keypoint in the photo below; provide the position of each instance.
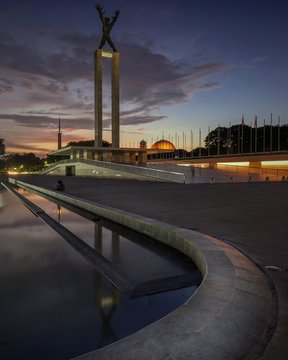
(226, 318)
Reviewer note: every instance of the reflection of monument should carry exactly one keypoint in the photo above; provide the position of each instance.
(106, 303)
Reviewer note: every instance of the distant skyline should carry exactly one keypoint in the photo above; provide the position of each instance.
(184, 65)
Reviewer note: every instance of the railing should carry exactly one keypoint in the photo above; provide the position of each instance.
(128, 169)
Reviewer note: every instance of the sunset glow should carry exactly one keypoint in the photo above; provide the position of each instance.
(183, 67)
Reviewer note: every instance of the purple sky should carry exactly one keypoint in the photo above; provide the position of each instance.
(184, 65)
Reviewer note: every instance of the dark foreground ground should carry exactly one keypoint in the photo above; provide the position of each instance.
(251, 216)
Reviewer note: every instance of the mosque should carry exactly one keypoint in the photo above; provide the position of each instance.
(159, 147)
(163, 145)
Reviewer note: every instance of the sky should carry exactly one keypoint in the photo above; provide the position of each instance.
(185, 65)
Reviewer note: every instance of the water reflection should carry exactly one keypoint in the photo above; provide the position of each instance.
(106, 302)
(58, 212)
(53, 304)
(140, 257)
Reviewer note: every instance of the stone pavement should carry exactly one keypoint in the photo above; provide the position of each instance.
(250, 216)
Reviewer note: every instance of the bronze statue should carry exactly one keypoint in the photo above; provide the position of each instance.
(107, 26)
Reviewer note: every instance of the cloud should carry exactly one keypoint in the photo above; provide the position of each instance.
(5, 86)
(58, 65)
(21, 57)
(43, 121)
(152, 80)
(258, 59)
(209, 86)
(141, 69)
(140, 119)
(63, 77)
(27, 147)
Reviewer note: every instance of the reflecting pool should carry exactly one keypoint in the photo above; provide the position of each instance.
(53, 304)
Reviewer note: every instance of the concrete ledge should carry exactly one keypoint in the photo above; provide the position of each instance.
(228, 316)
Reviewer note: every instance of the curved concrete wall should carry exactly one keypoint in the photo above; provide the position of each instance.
(92, 170)
(227, 317)
(85, 167)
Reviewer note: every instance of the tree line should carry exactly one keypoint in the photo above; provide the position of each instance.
(29, 162)
(246, 139)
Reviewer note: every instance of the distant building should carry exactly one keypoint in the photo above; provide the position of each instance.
(163, 145)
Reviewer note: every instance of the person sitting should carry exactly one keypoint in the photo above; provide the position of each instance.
(59, 186)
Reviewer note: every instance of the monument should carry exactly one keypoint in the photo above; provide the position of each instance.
(107, 25)
(113, 154)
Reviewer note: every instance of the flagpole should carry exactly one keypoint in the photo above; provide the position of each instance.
(229, 139)
(264, 137)
(238, 141)
(228, 142)
(192, 143)
(279, 133)
(255, 134)
(200, 142)
(209, 140)
(218, 143)
(271, 146)
(242, 124)
(251, 141)
(184, 144)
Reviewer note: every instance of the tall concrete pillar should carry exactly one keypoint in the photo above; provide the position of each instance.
(115, 100)
(115, 96)
(98, 105)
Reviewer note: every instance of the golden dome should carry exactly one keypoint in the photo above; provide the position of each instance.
(163, 145)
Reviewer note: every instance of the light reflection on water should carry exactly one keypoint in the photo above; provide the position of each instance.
(53, 304)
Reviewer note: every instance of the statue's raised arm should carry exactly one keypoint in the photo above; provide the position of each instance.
(114, 18)
(100, 11)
